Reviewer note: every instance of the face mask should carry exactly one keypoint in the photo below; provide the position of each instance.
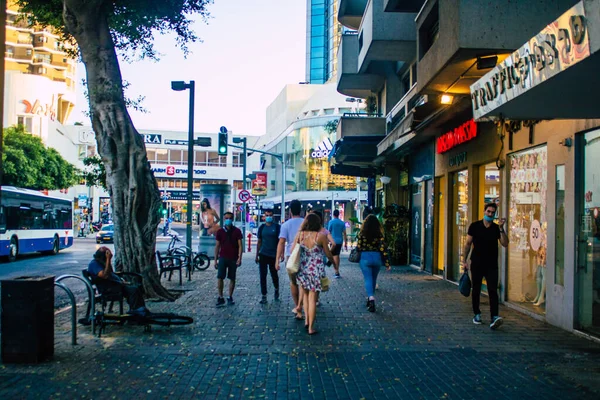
(269, 219)
(488, 219)
(228, 222)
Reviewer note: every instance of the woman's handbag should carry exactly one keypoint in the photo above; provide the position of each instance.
(325, 283)
(293, 262)
(464, 285)
(354, 255)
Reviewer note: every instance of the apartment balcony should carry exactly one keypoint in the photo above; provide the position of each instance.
(350, 13)
(350, 82)
(385, 36)
(453, 34)
(356, 145)
(412, 6)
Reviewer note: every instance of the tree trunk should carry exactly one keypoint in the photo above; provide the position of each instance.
(132, 187)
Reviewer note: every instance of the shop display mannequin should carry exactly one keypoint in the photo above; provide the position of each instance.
(541, 276)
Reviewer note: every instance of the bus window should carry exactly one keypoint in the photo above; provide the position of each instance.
(2, 220)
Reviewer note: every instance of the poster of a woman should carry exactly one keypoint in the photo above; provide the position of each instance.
(209, 218)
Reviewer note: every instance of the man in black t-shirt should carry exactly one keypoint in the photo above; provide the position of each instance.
(484, 236)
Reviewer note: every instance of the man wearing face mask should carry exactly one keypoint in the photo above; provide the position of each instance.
(484, 235)
(266, 252)
(228, 256)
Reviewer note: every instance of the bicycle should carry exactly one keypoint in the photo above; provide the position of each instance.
(161, 319)
(199, 261)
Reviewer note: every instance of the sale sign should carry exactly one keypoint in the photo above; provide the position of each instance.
(259, 184)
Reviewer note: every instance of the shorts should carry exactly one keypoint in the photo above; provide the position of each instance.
(226, 267)
(336, 250)
(291, 275)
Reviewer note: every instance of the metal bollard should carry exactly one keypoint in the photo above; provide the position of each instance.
(249, 242)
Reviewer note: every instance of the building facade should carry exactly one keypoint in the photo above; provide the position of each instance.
(470, 117)
(323, 33)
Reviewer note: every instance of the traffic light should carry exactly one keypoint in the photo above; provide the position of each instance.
(222, 149)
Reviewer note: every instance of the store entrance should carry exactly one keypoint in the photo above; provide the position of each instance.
(588, 262)
(459, 216)
(440, 226)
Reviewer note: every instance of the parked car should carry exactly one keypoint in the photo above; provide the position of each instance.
(105, 235)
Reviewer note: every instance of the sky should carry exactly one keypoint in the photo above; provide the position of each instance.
(250, 51)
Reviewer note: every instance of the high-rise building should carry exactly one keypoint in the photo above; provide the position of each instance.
(323, 33)
(40, 75)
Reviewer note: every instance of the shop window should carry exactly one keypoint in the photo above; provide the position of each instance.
(162, 155)
(213, 158)
(201, 158)
(175, 157)
(489, 187)
(527, 228)
(151, 153)
(559, 217)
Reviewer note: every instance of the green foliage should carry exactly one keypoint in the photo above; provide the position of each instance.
(133, 23)
(396, 226)
(331, 126)
(94, 172)
(371, 105)
(31, 165)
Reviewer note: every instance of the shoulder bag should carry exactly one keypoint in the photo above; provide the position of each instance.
(293, 262)
(354, 255)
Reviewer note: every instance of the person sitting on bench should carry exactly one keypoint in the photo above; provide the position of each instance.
(101, 267)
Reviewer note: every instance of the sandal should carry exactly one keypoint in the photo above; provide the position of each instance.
(313, 332)
(299, 316)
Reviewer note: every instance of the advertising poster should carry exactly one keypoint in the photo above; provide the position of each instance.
(210, 207)
(259, 185)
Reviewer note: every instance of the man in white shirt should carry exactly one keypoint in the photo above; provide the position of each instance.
(288, 233)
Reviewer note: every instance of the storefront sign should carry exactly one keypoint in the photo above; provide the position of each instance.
(535, 235)
(37, 108)
(460, 135)
(151, 138)
(259, 184)
(171, 170)
(458, 159)
(176, 142)
(322, 150)
(560, 45)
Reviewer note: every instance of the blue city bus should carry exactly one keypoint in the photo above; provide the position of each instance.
(31, 221)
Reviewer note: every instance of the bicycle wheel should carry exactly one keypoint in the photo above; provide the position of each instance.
(168, 319)
(201, 262)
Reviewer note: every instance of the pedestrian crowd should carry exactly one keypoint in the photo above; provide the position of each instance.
(306, 247)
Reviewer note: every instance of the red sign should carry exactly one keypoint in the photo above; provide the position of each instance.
(244, 196)
(462, 134)
(259, 185)
(170, 170)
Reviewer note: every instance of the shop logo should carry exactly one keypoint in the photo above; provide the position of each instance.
(47, 110)
(323, 149)
(152, 138)
(170, 170)
(460, 135)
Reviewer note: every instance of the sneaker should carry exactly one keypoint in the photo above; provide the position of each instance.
(230, 301)
(477, 319)
(277, 295)
(371, 306)
(496, 323)
(337, 276)
(220, 302)
(262, 301)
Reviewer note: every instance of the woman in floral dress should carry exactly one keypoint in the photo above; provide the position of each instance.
(312, 268)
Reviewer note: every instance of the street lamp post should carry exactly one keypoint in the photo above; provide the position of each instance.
(179, 86)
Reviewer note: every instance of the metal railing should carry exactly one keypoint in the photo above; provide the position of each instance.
(91, 300)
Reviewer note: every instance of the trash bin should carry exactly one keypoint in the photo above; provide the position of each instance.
(27, 312)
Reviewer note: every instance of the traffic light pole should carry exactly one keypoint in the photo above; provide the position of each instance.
(245, 153)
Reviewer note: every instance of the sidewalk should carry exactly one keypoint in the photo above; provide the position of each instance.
(421, 343)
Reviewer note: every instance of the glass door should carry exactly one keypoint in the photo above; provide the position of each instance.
(416, 224)
(440, 225)
(588, 238)
(460, 223)
(428, 229)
